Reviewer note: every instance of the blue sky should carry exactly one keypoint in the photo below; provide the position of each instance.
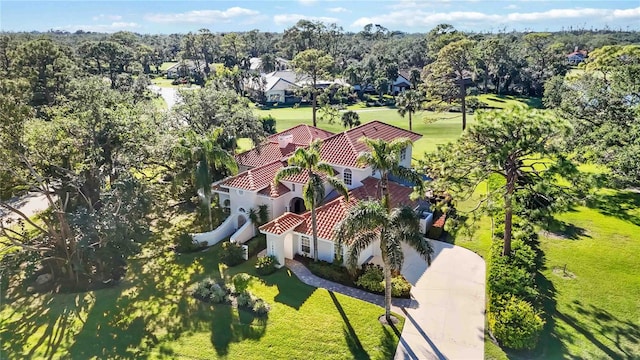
(405, 15)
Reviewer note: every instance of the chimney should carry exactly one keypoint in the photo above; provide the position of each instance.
(284, 140)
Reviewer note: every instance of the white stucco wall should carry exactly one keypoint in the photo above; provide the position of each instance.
(275, 247)
(325, 250)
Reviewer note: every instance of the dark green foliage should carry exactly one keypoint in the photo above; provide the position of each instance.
(268, 124)
(372, 278)
(257, 244)
(232, 253)
(240, 282)
(330, 271)
(260, 307)
(210, 291)
(400, 287)
(266, 265)
(516, 324)
(184, 243)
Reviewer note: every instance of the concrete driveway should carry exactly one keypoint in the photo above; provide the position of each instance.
(169, 95)
(448, 321)
(29, 204)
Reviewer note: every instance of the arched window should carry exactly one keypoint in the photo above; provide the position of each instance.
(226, 203)
(347, 177)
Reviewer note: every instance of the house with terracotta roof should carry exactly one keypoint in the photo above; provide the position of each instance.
(289, 232)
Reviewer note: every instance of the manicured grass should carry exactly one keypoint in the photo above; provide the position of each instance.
(593, 312)
(446, 129)
(150, 314)
(162, 81)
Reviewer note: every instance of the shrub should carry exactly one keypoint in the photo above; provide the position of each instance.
(245, 300)
(218, 294)
(506, 279)
(240, 282)
(516, 324)
(257, 244)
(332, 272)
(260, 307)
(266, 265)
(184, 243)
(400, 287)
(372, 279)
(232, 253)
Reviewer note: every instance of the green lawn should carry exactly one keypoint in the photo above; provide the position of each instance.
(150, 315)
(595, 310)
(167, 65)
(446, 129)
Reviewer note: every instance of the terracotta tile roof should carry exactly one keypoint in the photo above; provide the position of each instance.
(274, 191)
(255, 179)
(343, 149)
(265, 154)
(283, 223)
(330, 214)
(302, 134)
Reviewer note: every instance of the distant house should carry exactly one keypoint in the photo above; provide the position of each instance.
(577, 56)
(280, 86)
(184, 68)
(255, 64)
(401, 83)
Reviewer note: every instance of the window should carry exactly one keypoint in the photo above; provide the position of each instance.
(240, 192)
(347, 177)
(305, 244)
(403, 154)
(373, 171)
(293, 187)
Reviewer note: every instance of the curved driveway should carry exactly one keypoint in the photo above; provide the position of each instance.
(448, 321)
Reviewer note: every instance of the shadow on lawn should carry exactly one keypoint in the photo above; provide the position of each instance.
(562, 230)
(618, 204)
(291, 293)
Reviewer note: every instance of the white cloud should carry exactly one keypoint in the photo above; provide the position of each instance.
(202, 16)
(511, 6)
(338, 10)
(307, 2)
(290, 19)
(413, 17)
(107, 17)
(102, 28)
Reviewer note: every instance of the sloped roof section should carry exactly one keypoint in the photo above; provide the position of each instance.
(302, 134)
(255, 179)
(343, 149)
(282, 224)
(330, 214)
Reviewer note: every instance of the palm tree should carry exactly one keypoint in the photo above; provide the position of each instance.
(369, 221)
(384, 157)
(206, 153)
(409, 102)
(307, 161)
(350, 119)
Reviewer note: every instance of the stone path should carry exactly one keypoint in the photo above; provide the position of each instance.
(308, 278)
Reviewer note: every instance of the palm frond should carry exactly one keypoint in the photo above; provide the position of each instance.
(339, 186)
(365, 216)
(287, 171)
(360, 242)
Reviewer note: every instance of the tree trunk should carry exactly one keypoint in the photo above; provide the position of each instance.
(410, 122)
(314, 104)
(385, 192)
(387, 280)
(315, 231)
(463, 99)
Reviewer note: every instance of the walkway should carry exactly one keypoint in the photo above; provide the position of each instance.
(445, 319)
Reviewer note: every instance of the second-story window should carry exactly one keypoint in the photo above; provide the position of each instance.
(347, 177)
(403, 154)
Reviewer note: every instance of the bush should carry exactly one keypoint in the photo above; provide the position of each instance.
(257, 244)
(209, 290)
(245, 300)
(372, 279)
(184, 243)
(329, 271)
(400, 287)
(260, 307)
(218, 294)
(266, 265)
(232, 254)
(506, 279)
(240, 283)
(516, 324)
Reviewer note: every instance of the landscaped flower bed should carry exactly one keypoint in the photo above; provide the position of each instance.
(236, 293)
(369, 277)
